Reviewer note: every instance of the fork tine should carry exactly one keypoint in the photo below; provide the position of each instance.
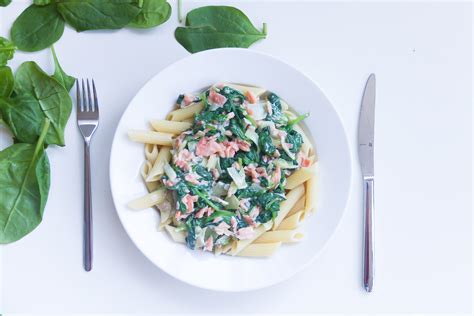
(84, 100)
(78, 98)
(89, 98)
(96, 104)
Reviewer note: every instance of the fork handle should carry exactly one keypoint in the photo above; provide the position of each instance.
(368, 233)
(87, 208)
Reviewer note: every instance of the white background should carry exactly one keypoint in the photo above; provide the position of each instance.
(421, 54)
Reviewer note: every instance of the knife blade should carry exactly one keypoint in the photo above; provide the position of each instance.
(366, 159)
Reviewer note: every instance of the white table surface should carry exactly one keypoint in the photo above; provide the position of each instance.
(421, 54)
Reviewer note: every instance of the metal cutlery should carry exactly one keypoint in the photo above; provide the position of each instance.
(366, 159)
(87, 110)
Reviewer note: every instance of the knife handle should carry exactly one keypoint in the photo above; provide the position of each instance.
(368, 233)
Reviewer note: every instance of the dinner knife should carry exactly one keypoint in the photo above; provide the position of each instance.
(366, 158)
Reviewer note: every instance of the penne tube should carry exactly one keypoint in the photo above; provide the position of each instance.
(239, 245)
(312, 195)
(176, 236)
(299, 205)
(185, 113)
(188, 120)
(151, 186)
(291, 198)
(150, 137)
(164, 156)
(260, 250)
(148, 200)
(284, 236)
(300, 176)
(151, 151)
(293, 221)
(171, 127)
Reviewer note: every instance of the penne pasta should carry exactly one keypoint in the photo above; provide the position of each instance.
(171, 127)
(176, 236)
(300, 176)
(151, 151)
(188, 120)
(312, 196)
(151, 186)
(164, 156)
(185, 113)
(148, 200)
(151, 137)
(291, 198)
(284, 236)
(260, 250)
(299, 205)
(293, 221)
(240, 245)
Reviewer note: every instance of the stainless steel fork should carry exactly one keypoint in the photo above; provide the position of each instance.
(87, 121)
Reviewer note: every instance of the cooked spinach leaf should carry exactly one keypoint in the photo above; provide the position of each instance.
(7, 50)
(294, 138)
(24, 187)
(98, 14)
(277, 115)
(37, 27)
(6, 81)
(63, 78)
(37, 96)
(217, 26)
(153, 13)
(265, 142)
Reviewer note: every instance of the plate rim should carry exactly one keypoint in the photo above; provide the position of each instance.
(345, 204)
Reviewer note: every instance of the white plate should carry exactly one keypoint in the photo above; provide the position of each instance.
(156, 99)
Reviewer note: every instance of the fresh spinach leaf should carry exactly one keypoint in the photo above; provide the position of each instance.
(217, 26)
(63, 78)
(153, 13)
(37, 27)
(4, 3)
(6, 81)
(98, 14)
(24, 187)
(42, 2)
(38, 96)
(7, 50)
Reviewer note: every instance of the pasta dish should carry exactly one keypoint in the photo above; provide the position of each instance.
(231, 171)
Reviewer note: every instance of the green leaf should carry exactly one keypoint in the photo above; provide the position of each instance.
(37, 28)
(98, 14)
(153, 13)
(63, 78)
(7, 50)
(38, 96)
(24, 187)
(6, 81)
(42, 2)
(4, 3)
(217, 26)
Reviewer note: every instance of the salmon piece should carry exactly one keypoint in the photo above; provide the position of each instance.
(249, 220)
(223, 229)
(192, 178)
(189, 201)
(277, 176)
(187, 100)
(208, 146)
(250, 111)
(303, 160)
(216, 98)
(243, 145)
(233, 223)
(245, 233)
(215, 174)
(200, 213)
(209, 244)
(250, 97)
